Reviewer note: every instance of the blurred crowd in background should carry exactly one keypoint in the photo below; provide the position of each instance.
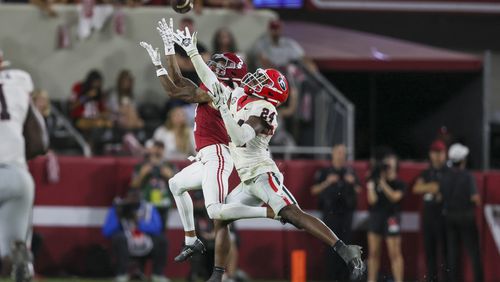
(46, 6)
(112, 122)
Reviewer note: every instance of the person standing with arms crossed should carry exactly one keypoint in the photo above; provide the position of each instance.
(433, 226)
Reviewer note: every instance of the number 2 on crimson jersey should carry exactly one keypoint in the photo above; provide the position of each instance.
(4, 114)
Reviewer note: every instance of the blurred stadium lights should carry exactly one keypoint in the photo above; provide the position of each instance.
(287, 4)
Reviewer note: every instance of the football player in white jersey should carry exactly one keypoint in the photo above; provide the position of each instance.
(22, 136)
(250, 122)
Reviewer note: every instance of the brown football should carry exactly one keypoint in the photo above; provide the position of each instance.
(182, 6)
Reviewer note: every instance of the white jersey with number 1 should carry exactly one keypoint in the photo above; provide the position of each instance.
(253, 158)
(15, 90)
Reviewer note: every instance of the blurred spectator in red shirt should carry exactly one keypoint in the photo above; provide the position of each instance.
(88, 110)
(88, 107)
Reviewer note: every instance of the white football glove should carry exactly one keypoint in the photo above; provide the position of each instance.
(186, 41)
(167, 35)
(153, 53)
(220, 95)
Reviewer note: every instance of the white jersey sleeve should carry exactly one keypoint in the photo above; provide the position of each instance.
(15, 89)
(26, 81)
(20, 78)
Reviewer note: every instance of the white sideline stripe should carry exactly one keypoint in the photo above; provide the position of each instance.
(409, 6)
(61, 216)
(66, 216)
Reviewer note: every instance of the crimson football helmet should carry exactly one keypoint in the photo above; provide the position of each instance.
(228, 66)
(268, 84)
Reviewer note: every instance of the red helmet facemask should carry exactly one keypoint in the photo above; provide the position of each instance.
(228, 67)
(268, 84)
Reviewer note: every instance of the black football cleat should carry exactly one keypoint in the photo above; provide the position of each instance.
(214, 279)
(357, 269)
(189, 250)
(351, 254)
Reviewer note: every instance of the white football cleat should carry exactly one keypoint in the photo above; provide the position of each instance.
(22, 265)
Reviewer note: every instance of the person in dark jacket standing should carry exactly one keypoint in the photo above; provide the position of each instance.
(460, 199)
(337, 187)
(433, 224)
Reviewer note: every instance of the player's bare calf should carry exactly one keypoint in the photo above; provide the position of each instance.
(351, 254)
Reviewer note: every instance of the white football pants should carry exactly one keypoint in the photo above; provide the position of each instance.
(210, 172)
(16, 205)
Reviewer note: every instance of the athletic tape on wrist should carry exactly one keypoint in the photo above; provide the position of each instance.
(193, 53)
(162, 71)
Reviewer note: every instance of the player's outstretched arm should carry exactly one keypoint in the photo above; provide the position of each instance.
(188, 42)
(187, 92)
(166, 31)
(35, 134)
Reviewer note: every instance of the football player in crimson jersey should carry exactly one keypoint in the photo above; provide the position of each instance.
(23, 137)
(250, 120)
(213, 165)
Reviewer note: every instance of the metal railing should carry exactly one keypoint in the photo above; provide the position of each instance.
(333, 114)
(63, 121)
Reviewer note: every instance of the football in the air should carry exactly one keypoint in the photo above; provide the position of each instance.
(182, 6)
